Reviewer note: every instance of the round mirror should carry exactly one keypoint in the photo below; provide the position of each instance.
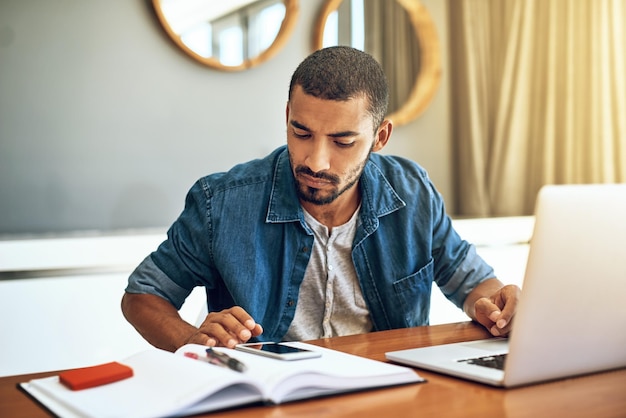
(228, 35)
(401, 35)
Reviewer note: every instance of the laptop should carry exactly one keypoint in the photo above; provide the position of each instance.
(571, 318)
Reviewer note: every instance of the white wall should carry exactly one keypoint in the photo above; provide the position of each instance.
(105, 124)
(60, 300)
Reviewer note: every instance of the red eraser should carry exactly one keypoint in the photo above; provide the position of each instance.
(88, 377)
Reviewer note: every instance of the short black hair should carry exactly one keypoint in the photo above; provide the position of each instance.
(343, 73)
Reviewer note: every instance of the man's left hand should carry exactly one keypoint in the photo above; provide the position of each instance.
(495, 311)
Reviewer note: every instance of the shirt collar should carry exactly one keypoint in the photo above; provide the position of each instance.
(378, 197)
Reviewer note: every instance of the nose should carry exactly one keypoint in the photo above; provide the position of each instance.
(318, 158)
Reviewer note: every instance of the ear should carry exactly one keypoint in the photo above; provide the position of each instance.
(383, 135)
(287, 113)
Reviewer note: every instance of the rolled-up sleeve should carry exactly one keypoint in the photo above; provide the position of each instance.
(472, 271)
(148, 278)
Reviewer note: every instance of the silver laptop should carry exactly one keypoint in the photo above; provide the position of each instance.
(571, 319)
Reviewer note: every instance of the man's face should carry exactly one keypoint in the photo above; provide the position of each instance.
(329, 143)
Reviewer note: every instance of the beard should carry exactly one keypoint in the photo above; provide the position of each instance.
(324, 197)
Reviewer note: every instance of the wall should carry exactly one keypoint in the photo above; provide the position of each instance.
(104, 124)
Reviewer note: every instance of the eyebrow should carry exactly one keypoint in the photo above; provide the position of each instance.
(341, 134)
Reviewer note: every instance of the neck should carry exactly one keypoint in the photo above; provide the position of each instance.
(336, 213)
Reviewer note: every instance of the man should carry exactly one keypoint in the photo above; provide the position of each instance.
(323, 237)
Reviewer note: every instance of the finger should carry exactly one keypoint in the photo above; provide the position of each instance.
(494, 316)
(508, 298)
(489, 315)
(257, 330)
(229, 327)
(220, 335)
(201, 339)
(499, 326)
(243, 317)
(486, 311)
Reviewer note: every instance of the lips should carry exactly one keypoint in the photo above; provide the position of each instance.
(314, 182)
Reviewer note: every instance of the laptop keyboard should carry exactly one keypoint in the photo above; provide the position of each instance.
(495, 362)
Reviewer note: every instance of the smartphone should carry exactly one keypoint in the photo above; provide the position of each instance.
(278, 351)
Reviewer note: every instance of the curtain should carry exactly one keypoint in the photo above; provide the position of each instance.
(538, 97)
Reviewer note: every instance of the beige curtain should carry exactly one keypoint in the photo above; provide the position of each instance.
(538, 97)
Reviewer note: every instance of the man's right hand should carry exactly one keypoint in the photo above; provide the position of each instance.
(226, 328)
(159, 322)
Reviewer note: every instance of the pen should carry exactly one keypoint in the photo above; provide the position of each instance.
(226, 360)
(206, 359)
(212, 358)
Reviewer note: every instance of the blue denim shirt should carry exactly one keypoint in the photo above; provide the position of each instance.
(242, 236)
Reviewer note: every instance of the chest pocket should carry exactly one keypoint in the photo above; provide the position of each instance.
(413, 295)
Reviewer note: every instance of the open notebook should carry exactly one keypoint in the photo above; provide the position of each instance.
(571, 318)
(167, 384)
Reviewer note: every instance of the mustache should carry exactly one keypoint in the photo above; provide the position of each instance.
(301, 169)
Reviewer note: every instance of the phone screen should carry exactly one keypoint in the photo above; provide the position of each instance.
(279, 348)
(278, 351)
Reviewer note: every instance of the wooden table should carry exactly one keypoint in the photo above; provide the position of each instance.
(597, 395)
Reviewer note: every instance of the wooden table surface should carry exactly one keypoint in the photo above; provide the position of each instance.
(597, 395)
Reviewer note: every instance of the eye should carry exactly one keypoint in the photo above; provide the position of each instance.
(301, 134)
(344, 144)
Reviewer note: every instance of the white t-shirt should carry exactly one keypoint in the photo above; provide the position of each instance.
(330, 301)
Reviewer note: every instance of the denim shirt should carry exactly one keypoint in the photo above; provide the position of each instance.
(242, 235)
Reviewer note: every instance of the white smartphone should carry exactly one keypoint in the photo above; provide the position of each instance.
(278, 351)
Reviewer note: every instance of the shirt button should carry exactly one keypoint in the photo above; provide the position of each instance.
(330, 267)
(290, 303)
(305, 249)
